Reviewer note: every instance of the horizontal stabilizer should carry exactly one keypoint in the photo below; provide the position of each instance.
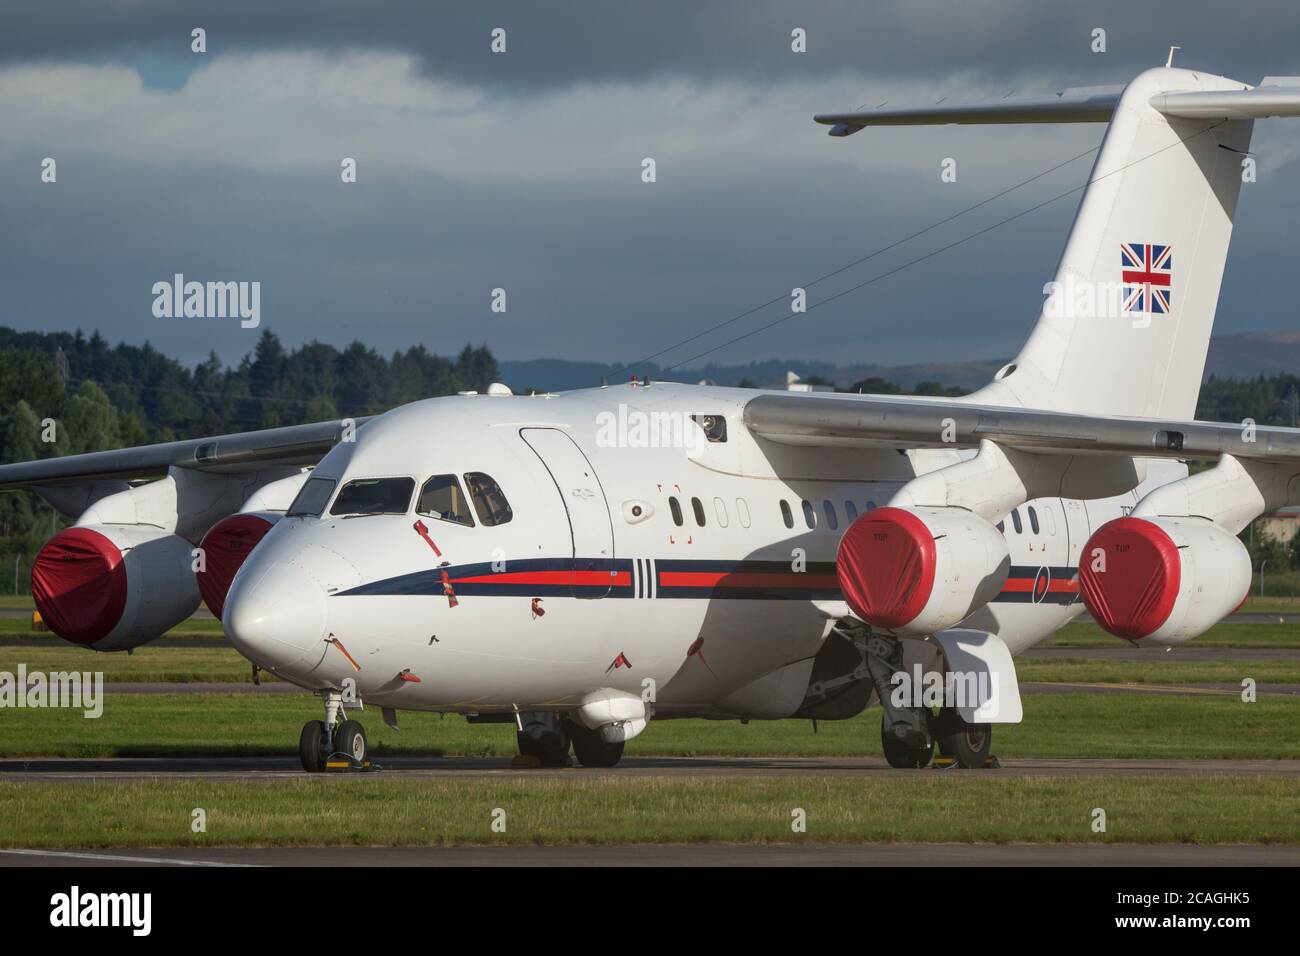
(1258, 103)
(1092, 104)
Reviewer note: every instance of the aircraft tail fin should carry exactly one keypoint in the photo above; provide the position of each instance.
(1126, 324)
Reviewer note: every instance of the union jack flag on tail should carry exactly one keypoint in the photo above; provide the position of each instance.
(1148, 270)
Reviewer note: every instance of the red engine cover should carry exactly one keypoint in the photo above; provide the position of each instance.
(1135, 593)
(225, 547)
(886, 565)
(79, 584)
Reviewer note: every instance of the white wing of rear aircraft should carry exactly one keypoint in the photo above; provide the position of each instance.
(289, 445)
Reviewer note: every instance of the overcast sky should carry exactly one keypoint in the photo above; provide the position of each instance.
(522, 170)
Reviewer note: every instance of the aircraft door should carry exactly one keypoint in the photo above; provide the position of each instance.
(591, 563)
(1077, 530)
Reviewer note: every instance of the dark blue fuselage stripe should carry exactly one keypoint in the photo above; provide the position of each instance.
(645, 583)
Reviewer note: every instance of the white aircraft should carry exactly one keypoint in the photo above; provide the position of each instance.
(580, 563)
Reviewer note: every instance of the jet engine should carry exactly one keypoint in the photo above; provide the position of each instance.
(112, 587)
(920, 570)
(1162, 580)
(225, 547)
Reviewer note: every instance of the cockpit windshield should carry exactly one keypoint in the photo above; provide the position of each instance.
(442, 498)
(374, 496)
(312, 498)
(489, 501)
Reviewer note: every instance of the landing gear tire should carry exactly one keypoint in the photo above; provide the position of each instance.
(591, 750)
(350, 740)
(550, 749)
(311, 746)
(968, 744)
(900, 756)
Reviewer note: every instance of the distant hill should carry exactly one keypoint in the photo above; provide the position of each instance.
(1242, 355)
(1248, 354)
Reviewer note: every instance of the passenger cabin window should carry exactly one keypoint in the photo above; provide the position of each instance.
(489, 502)
(809, 516)
(786, 516)
(832, 518)
(374, 496)
(851, 511)
(312, 498)
(442, 498)
(675, 507)
(1033, 519)
(1015, 521)
(698, 507)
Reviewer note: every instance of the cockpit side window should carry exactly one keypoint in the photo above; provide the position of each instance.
(441, 497)
(489, 502)
(374, 496)
(312, 498)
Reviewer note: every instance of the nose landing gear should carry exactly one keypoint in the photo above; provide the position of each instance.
(323, 746)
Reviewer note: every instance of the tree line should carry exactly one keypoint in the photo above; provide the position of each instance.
(65, 393)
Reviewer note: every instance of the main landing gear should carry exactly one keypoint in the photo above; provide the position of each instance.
(909, 734)
(959, 743)
(547, 738)
(330, 745)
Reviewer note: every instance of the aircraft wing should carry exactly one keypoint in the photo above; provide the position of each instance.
(917, 422)
(292, 445)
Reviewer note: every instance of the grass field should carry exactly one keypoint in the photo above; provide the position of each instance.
(577, 807)
(1251, 634)
(172, 659)
(927, 807)
(169, 661)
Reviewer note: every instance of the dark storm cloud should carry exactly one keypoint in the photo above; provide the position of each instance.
(564, 41)
(533, 185)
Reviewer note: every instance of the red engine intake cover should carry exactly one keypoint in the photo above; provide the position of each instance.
(225, 547)
(1135, 593)
(79, 584)
(886, 566)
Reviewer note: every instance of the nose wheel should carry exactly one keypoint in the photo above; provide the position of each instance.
(311, 746)
(328, 745)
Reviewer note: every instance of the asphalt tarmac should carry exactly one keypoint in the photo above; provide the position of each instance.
(255, 769)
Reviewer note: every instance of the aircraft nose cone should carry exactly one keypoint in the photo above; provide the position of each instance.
(274, 616)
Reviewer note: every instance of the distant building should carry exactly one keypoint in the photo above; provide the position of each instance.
(794, 384)
(1281, 525)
